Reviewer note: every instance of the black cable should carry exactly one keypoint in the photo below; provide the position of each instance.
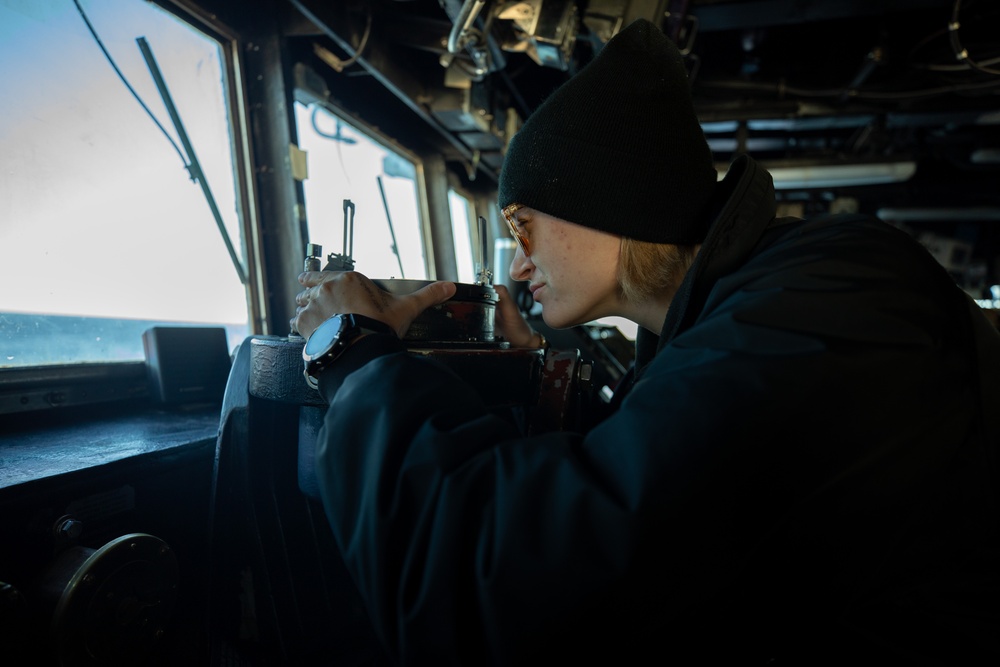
(783, 91)
(339, 138)
(361, 45)
(960, 52)
(337, 135)
(127, 85)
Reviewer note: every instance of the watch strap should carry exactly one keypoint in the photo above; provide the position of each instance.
(354, 329)
(358, 355)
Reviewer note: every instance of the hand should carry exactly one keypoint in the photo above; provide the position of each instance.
(332, 292)
(509, 322)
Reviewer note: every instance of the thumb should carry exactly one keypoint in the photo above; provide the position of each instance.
(433, 294)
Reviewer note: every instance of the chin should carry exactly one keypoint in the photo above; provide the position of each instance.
(553, 322)
(557, 321)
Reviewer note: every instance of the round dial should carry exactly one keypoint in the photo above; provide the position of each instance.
(325, 335)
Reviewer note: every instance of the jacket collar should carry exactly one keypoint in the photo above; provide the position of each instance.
(743, 207)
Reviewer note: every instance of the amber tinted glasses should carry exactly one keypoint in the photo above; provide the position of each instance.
(522, 240)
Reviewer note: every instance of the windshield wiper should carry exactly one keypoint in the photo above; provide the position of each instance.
(193, 166)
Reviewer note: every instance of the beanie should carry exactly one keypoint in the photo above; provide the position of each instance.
(618, 146)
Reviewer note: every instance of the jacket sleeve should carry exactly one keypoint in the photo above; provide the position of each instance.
(472, 544)
(469, 542)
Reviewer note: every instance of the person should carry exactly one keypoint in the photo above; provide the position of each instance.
(800, 468)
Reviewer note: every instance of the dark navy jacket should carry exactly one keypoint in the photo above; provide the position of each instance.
(800, 470)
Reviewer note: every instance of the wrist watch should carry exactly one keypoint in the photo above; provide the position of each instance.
(329, 340)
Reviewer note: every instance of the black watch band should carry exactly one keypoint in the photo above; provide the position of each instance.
(331, 338)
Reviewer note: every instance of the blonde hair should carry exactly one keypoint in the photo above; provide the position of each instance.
(646, 270)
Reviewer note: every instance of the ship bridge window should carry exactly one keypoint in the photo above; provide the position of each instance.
(462, 221)
(344, 164)
(104, 230)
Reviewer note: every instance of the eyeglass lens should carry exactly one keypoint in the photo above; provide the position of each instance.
(508, 214)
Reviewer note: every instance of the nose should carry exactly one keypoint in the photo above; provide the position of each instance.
(520, 266)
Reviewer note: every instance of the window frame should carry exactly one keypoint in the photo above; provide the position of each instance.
(31, 389)
(305, 96)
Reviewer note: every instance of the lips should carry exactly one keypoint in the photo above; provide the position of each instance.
(534, 289)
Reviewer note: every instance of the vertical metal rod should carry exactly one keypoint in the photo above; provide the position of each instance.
(485, 274)
(348, 230)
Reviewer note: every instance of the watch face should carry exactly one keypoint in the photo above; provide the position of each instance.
(325, 335)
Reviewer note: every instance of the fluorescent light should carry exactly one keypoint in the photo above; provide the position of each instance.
(840, 175)
(968, 213)
(985, 156)
(792, 177)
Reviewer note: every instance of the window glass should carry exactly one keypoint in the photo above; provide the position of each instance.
(628, 328)
(343, 163)
(461, 216)
(103, 232)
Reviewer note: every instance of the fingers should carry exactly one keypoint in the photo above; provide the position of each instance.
(313, 278)
(408, 307)
(304, 297)
(509, 321)
(350, 292)
(432, 295)
(506, 302)
(331, 292)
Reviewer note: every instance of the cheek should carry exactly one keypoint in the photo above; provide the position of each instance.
(593, 277)
(565, 249)
(603, 264)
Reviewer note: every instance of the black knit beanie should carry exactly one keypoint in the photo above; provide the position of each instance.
(618, 147)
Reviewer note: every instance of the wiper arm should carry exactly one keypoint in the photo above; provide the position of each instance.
(193, 166)
(392, 232)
